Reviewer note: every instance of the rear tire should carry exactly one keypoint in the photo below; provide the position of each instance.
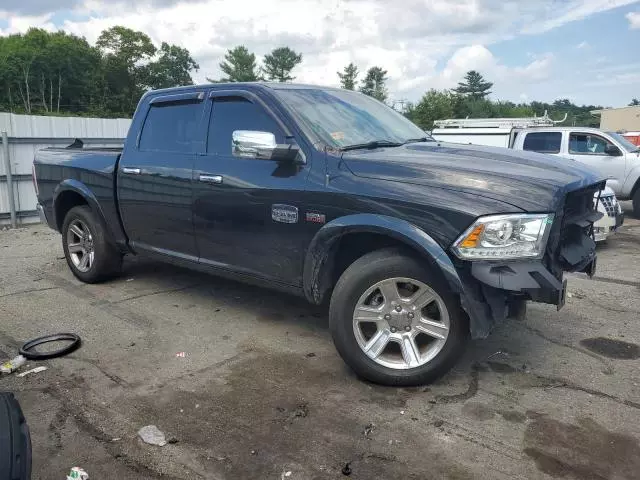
(15, 440)
(410, 357)
(90, 255)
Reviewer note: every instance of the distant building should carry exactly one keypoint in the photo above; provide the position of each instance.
(623, 119)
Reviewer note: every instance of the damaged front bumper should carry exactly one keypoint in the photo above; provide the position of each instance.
(496, 290)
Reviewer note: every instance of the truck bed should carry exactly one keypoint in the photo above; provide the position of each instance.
(89, 171)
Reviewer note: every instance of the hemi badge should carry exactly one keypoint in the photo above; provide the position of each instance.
(316, 217)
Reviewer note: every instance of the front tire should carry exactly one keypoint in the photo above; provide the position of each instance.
(90, 255)
(394, 320)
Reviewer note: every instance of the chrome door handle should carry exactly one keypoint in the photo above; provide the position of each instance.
(131, 170)
(217, 179)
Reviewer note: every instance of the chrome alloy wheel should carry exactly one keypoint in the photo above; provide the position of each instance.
(80, 245)
(401, 323)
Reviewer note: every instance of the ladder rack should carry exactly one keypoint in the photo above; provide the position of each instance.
(524, 122)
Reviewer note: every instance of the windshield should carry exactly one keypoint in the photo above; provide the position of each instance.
(626, 144)
(342, 118)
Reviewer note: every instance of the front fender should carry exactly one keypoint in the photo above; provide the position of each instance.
(630, 182)
(315, 276)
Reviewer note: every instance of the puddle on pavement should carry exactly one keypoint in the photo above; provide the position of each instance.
(585, 450)
(611, 348)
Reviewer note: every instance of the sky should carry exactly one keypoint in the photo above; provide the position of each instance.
(583, 50)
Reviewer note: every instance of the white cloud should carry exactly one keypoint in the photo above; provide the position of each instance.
(421, 43)
(582, 45)
(634, 19)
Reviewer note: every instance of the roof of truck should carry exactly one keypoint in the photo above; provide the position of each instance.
(271, 85)
(566, 129)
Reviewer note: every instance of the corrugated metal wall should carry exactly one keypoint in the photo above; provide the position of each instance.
(28, 133)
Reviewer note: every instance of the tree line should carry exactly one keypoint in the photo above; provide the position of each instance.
(60, 73)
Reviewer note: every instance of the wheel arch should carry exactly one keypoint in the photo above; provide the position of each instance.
(343, 240)
(72, 193)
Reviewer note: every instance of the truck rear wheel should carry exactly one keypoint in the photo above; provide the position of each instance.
(394, 321)
(15, 440)
(90, 255)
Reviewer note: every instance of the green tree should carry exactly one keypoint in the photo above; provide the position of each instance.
(434, 105)
(474, 86)
(374, 84)
(239, 65)
(349, 77)
(634, 102)
(279, 63)
(126, 54)
(172, 68)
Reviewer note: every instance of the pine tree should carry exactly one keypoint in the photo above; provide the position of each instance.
(474, 86)
(374, 84)
(349, 77)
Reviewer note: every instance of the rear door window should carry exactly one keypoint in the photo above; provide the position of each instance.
(543, 142)
(172, 127)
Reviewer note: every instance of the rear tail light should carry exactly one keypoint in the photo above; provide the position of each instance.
(35, 179)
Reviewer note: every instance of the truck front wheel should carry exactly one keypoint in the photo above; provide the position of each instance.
(394, 321)
(90, 255)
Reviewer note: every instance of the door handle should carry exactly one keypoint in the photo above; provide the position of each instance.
(131, 170)
(217, 179)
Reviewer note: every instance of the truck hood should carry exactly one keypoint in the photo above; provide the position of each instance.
(530, 181)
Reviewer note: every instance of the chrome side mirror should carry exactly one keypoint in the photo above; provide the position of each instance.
(262, 145)
(252, 144)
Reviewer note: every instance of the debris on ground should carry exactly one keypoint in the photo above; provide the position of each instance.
(499, 352)
(301, 411)
(285, 475)
(77, 473)
(181, 354)
(438, 423)
(401, 412)
(152, 435)
(310, 355)
(368, 429)
(254, 452)
(33, 370)
(346, 470)
(13, 364)
(128, 279)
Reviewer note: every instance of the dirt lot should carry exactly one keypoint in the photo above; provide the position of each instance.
(262, 394)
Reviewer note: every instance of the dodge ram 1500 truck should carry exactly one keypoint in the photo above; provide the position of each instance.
(414, 244)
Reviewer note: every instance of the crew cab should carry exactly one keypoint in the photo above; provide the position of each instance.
(415, 245)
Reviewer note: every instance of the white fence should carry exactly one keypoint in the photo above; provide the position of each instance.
(28, 133)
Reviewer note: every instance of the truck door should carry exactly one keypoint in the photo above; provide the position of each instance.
(247, 210)
(155, 176)
(599, 153)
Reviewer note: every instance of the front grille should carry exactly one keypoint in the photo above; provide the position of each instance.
(576, 245)
(610, 204)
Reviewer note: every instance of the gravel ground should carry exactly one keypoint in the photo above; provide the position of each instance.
(262, 394)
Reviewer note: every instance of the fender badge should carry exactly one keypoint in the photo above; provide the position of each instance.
(284, 213)
(316, 217)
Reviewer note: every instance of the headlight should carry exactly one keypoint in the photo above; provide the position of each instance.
(497, 237)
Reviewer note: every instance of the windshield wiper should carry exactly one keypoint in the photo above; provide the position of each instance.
(372, 144)
(421, 139)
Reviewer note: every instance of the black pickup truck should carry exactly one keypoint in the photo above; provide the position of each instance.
(329, 194)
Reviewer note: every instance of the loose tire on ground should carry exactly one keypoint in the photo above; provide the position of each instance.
(357, 281)
(82, 232)
(15, 440)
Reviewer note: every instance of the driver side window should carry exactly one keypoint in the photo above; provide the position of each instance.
(237, 113)
(587, 144)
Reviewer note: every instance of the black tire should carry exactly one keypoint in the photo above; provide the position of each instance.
(107, 261)
(362, 275)
(15, 440)
(636, 203)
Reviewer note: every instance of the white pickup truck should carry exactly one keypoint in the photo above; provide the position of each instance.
(610, 153)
